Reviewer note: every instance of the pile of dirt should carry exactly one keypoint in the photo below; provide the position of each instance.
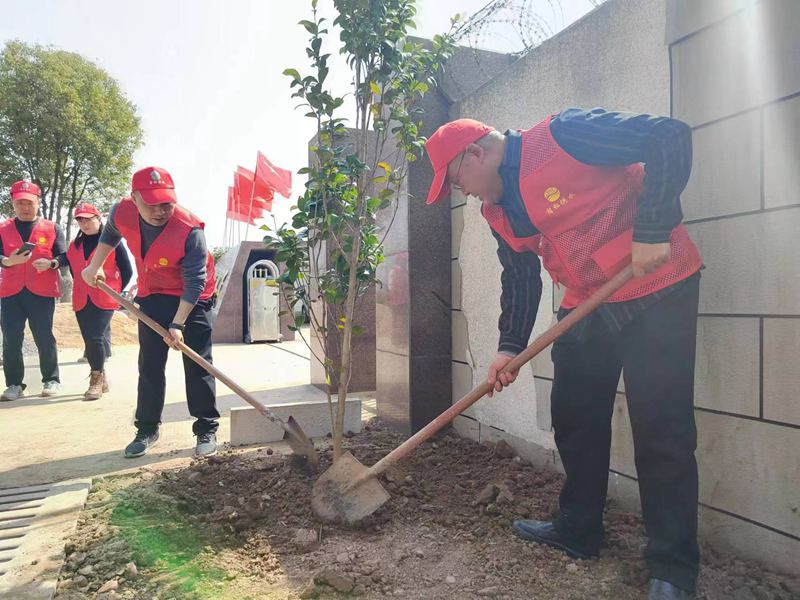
(68, 335)
(239, 526)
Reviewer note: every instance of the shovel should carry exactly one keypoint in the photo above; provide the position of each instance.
(298, 441)
(349, 491)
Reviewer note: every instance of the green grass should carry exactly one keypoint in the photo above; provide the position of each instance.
(170, 548)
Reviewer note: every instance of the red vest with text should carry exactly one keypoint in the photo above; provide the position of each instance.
(13, 279)
(585, 215)
(159, 271)
(81, 291)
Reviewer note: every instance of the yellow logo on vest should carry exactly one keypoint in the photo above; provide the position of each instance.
(553, 196)
(162, 262)
(42, 240)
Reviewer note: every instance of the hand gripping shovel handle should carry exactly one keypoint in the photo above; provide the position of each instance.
(241, 392)
(539, 344)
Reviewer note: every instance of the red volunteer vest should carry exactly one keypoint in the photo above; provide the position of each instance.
(81, 292)
(159, 272)
(585, 215)
(13, 279)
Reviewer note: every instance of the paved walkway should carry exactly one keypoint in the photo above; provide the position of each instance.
(54, 439)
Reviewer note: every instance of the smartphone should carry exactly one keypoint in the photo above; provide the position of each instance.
(26, 248)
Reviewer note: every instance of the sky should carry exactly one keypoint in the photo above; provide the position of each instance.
(206, 78)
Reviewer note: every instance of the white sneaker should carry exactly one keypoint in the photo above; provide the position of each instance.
(13, 392)
(50, 389)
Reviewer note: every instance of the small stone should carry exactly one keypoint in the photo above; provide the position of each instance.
(450, 580)
(419, 553)
(270, 451)
(349, 434)
(339, 582)
(308, 591)
(87, 570)
(487, 494)
(111, 584)
(572, 568)
(69, 548)
(79, 581)
(305, 539)
(342, 558)
(65, 585)
(488, 592)
(131, 571)
(504, 496)
(503, 449)
(762, 593)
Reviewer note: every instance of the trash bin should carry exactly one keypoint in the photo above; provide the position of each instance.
(263, 320)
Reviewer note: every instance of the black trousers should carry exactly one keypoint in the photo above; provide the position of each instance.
(15, 311)
(95, 326)
(656, 353)
(201, 390)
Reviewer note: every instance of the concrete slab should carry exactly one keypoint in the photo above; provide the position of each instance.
(726, 169)
(36, 522)
(754, 249)
(727, 366)
(249, 427)
(781, 150)
(781, 376)
(737, 64)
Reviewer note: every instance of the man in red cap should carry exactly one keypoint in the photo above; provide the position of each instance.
(93, 308)
(589, 191)
(175, 288)
(31, 251)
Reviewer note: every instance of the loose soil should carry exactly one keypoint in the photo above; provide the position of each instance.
(239, 526)
(68, 335)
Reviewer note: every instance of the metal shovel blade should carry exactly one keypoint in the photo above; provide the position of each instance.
(300, 443)
(334, 499)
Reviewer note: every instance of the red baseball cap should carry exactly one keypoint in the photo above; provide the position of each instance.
(155, 185)
(445, 144)
(86, 210)
(25, 190)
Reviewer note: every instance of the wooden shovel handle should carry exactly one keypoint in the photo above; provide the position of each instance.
(539, 344)
(239, 390)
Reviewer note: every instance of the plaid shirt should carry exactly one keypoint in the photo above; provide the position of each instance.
(603, 138)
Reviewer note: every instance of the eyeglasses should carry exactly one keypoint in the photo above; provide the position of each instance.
(453, 180)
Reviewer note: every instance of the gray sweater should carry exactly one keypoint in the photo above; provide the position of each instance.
(193, 264)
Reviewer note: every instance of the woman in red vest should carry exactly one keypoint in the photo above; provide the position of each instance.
(175, 282)
(31, 251)
(94, 309)
(589, 192)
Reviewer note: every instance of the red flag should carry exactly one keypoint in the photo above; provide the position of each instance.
(248, 200)
(248, 210)
(241, 206)
(272, 177)
(234, 216)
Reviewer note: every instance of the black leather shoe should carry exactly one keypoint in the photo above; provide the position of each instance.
(664, 590)
(544, 532)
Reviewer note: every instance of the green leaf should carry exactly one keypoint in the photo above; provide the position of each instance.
(375, 88)
(292, 73)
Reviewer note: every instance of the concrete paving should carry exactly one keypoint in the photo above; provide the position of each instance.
(34, 524)
(54, 439)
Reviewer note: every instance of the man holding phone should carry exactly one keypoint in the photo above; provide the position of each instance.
(31, 251)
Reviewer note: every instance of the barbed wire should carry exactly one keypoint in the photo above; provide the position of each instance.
(519, 25)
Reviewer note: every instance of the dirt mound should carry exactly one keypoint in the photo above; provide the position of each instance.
(68, 335)
(239, 525)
